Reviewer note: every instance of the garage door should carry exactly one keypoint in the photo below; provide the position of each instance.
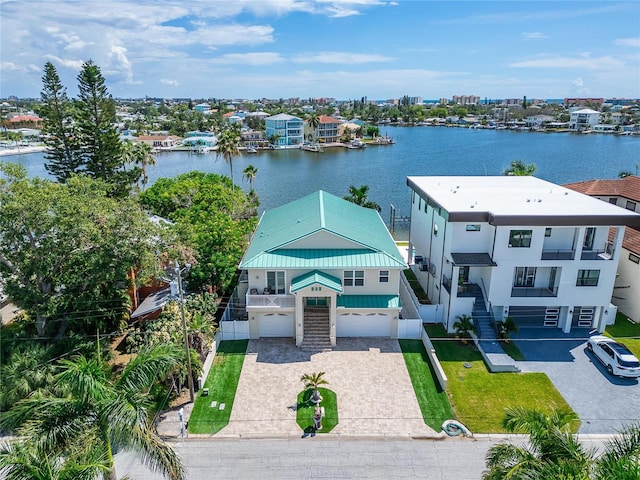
(276, 325)
(363, 325)
(528, 316)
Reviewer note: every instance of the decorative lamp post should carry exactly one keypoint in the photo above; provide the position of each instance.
(184, 330)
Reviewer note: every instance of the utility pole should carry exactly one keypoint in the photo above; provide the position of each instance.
(184, 332)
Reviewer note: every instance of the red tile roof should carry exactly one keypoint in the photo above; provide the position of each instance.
(631, 240)
(627, 187)
(327, 119)
(25, 118)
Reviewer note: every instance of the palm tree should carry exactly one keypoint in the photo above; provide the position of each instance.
(463, 326)
(518, 168)
(229, 147)
(314, 123)
(144, 157)
(314, 380)
(505, 327)
(359, 197)
(249, 174)
(553, 452)
(103, 413)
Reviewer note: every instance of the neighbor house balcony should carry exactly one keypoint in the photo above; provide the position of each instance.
(271, 301)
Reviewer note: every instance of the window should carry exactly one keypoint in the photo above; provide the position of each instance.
(634, 258)
(589, 235)
(547, 232)
(613, 200)
(631, 206)
(354, 278)
(473, 228)
(520, 238)
(384, 276)
(524, 277)
(588, 278)
(275, 282)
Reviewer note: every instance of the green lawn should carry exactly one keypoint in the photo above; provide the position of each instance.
(305, 409)
(222, 383)
(623, 331)
(480, 397)
(433, 401)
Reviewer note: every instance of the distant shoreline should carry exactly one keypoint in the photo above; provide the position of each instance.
(22, 150)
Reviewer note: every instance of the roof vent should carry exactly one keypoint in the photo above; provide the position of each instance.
(528, 200)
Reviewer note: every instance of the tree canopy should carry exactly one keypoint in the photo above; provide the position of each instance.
(518, 168)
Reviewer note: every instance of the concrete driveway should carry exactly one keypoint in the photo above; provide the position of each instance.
(604, 403)
(368, 375)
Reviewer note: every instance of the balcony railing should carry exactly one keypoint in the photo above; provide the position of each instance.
(271, 301)
(533, 292)
(595, 255)
(558, 254)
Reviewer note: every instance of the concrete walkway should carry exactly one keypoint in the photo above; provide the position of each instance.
(368, 375)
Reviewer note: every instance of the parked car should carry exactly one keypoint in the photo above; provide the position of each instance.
(616, 357)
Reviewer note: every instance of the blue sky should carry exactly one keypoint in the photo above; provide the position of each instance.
(327, 48)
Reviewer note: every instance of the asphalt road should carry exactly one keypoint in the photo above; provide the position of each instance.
(329, 458)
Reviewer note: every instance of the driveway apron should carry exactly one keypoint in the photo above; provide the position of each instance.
(368, 375)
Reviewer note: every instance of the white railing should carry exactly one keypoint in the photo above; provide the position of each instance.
(271, 301)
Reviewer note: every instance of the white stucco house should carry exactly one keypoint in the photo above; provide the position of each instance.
(320, 268)
(493, 247)
(625, 193)
(583, 119)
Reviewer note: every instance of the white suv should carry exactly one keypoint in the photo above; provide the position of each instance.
(615, 356)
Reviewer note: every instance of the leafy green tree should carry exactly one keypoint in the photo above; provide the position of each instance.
(100, 143)
(552, 452)
(359, 197)
(58, 128)
(518, 168)
(229, 147)
(101, 413)
(66, 250)
(141, 155)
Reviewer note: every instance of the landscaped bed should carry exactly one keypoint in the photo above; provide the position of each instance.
(222, 382)
(305, 409)
(479, 397)
(433, 401)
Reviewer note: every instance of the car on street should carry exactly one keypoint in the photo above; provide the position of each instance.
(615, 356)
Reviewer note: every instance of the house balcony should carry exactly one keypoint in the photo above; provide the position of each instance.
(558, 254)
(271, 301)
(596, 255)
(533, 292)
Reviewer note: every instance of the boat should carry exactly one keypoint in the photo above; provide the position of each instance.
(311, 148)
(386, 140)
(356, 144)
(201, 149)
(252, 150)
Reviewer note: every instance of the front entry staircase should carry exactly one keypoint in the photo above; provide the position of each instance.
(316, 329)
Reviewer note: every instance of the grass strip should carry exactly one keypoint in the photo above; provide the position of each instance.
(627, 332)
(222, 383)
(433, 401)
(305, 410)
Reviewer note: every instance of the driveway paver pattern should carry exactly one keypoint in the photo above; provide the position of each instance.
(368, 375)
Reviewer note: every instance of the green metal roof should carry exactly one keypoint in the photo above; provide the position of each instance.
(323, 258)
(316, 278)
(320, 212)
(368, 301)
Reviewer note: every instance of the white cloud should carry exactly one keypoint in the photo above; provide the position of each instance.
(534, 35)
(344, 58)
(628, 42)
(253, 58)
(65, 62)
(584, 61)
(169, 83)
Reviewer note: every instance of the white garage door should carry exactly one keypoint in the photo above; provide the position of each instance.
(363, 325)
(276, 325)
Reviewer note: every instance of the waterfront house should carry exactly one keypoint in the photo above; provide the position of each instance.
(625, 193)
(328, 129)
(583, 119)
(160, 142)
(288, 129)
(520, 247)
(320, 268)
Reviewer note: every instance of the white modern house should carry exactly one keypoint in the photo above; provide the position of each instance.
(583, 119)
(320, 268)
(493, 247)
(625, 193)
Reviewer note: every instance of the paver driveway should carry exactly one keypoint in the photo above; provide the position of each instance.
(604, 403)
(368, 375)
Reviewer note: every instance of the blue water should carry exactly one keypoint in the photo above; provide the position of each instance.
(285, 175)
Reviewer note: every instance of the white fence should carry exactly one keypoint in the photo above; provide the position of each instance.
(433, 358)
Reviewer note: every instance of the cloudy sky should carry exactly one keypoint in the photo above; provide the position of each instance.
(326, 48)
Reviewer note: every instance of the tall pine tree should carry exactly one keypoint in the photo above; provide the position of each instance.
(58, 128)
(102, 155)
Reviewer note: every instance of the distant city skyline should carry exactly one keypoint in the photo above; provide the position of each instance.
(326, 48)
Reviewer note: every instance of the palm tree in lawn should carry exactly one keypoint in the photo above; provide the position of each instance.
(359, 197)
(314, 123)
(314, 380)
(463, 326)
(249, 174)
(229, 148)
(101, 413)
(518, 168)
(506, 327)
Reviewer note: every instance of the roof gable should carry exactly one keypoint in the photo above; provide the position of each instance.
(282, 227)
